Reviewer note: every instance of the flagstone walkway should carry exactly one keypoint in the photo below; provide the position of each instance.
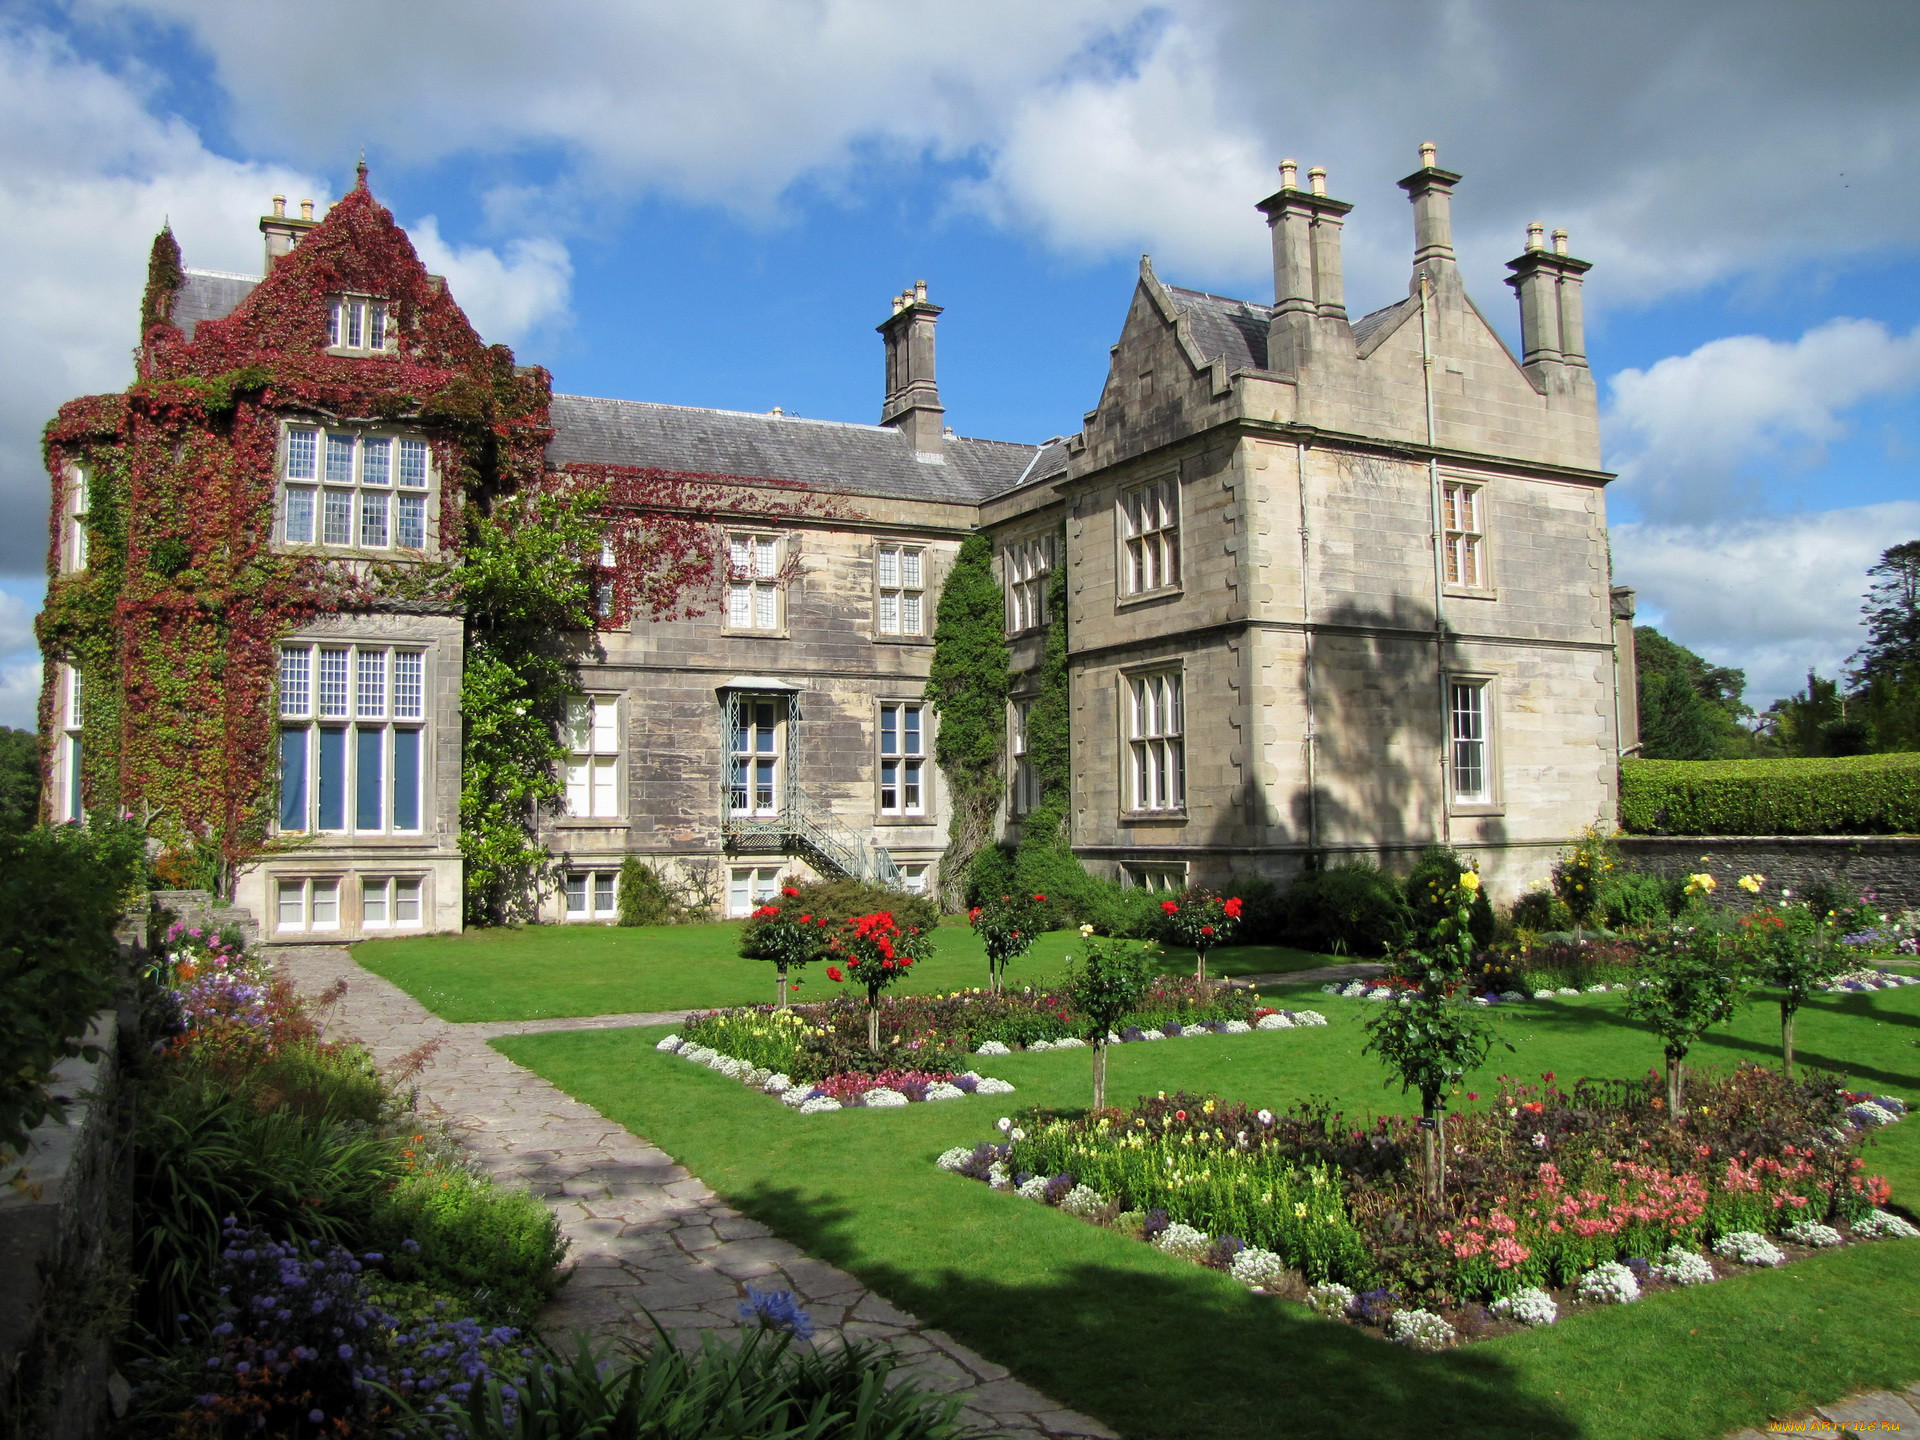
(646, 1234)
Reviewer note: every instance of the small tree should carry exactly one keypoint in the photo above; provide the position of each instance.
(786, 936)
(1578, 874)
(1105, 988)
(1200, 920)
(1431, 1040)
(1691, 983)
(874, 951)
(1791, 949)
(1007, 927)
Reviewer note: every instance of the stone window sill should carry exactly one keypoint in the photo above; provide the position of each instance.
(1464, 592)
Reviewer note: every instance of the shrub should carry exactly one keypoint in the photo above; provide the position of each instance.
(1351, 909)
(321, 1083)
(1628, 900)
(1431, 881)
(61, 893)
(1854, 795)
(990, 872)
(1579, 874)
(644, 897)
(495, 1247)
(1542, 911)
(838, 901)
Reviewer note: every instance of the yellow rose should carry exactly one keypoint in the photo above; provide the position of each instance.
(1469, 881)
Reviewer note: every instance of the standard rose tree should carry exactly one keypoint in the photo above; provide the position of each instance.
(786, 936)
(1105, 988)
(1200, 920)
(876, 952)
(1689, 982)
(1007, 927)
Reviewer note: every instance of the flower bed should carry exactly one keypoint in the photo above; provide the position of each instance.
(883, 1089)
(1396, 989)
(1556, 1198)
(1866, 979)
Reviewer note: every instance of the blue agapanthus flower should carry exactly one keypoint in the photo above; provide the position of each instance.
(777, 1310)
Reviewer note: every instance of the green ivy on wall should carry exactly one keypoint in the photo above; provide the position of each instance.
(1045, 862)
(967, 683)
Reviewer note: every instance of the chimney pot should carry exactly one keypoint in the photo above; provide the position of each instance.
(920, 291)
(1317, 179)
(1559, 242)
(280, 205)
(1429, 155)
(306, 209)
(1535, 235)
(1289, 174)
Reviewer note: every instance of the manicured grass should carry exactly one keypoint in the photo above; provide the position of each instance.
(542, 971)
(1160, 1348)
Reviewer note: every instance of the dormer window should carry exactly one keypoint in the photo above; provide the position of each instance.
(358, 322)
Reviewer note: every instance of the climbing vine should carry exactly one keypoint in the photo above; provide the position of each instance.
(967, 683)
(1046, 862)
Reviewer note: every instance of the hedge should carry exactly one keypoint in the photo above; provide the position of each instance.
(1853, 795)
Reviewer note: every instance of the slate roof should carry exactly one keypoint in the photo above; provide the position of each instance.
(820, 454)
(209, 295)
(1236, 330)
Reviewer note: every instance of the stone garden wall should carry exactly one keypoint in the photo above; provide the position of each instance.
(1888, 865)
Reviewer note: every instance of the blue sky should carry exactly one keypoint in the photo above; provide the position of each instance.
(711, 206)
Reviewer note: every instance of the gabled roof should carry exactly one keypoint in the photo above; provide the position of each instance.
(820, 454)
(209, 295)
(1236, 330)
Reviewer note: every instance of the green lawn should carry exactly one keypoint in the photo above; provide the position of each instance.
(1160, 1348)
(543, 971)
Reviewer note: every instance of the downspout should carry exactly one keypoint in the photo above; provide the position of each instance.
(1439, 569)
(1306, 627)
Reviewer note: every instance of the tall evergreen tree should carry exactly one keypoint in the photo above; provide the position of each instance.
(1689, 709)
(1885, 672)
(19, 780)
(967, 687)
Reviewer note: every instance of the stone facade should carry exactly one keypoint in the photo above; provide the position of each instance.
(1359, 567)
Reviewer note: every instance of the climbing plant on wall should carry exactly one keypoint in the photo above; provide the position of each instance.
(967, 684)
(1045, 862)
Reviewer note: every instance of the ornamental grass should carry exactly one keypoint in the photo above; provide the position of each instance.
(1544, 1184)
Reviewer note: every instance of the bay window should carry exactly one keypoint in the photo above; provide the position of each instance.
(352, 719)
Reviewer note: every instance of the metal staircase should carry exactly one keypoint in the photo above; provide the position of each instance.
(811, 827)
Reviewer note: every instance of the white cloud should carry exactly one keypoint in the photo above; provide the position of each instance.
(19, 661)
(1688, 430)
(1773, 595)
(509, 298)
(88, 174)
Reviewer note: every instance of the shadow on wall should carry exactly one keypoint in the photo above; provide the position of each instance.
(1184, 1353)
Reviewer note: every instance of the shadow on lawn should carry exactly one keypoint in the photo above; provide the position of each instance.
(1158, 1355)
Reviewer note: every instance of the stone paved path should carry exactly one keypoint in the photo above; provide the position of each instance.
(1882, 1412)
(1359, 970)
(645, 1232)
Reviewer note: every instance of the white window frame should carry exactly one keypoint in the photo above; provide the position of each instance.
(1471, 706)
(593, 769)
(391, 894)
(381, 514)
(78, 539)
(914, 875)
(1027, 566)
(312, 896)
(1154, 717)
(756, 596)
(590, 894)
(1157, 877)
(747, 796)
(1463, 506)
(69, 793)
(749, 887)
(1023, 791)
(900, 590)
(355, 321)
(1148, 520)
(325, 686)
(900, 736)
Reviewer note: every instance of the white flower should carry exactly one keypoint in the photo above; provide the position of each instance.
(1003, 1124)
(725, 1064)
(1265, 1117)
(671, 1042)
(1420, 1330)
(1086, 932)
(1867, 1112)
(953, 1159)
(1819, 1237)
(1040, 1045)
(1330, 989)
(987, 1085)
(819, 1105)
(1682, 1267)
(997, 1176)
(777, 1084)
(1035, 1188)
(1308, 1017)
(1353, 989)
(1072, 1042)
(941, 1090)
(1146, 1034)
(1596, 989)
(1254, 1266)
(1239, 1027)
(1016, 1134)
(1184, 1241)
(1329, 1299)
(1531, 1306)
(1543, 994)
(1511, 995)
(756, 1076)
(992, 1047)
(1481, 1000)
(1566, 990)
(881, 1098)
(1610, 1283)
(1275, 1021)
(1083, 1201)
(796, 1095)
(698, 1054)
(1749, 1247)
(1113, 1038)
(1879, 1225)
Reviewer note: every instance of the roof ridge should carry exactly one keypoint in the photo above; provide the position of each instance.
(1228, 299)
(220, 274)
(719, 410)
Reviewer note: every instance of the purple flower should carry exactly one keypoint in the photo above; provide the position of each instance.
(777, 1310)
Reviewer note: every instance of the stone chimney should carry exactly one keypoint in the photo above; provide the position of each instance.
(1309, 293)
(1431, 190)
(283, 232)
(1552, 330)
(913, 399)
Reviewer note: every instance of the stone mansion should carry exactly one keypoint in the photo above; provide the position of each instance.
(1334, 586)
